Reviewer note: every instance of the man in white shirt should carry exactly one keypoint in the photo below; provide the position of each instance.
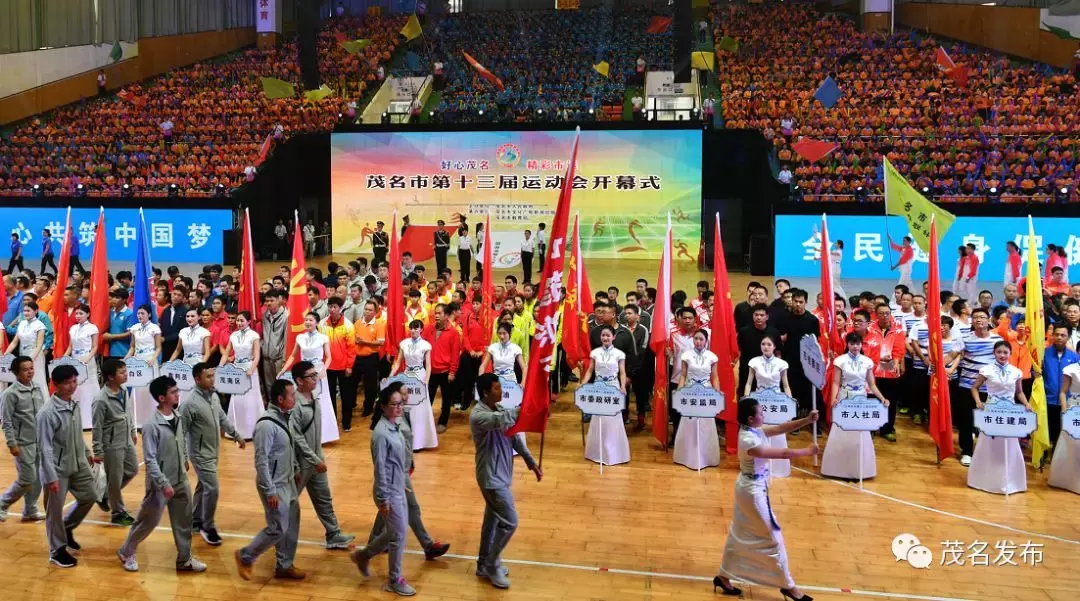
(282, 236)
(528, 247)
(784, 177)
(703, 31)
(541, 243)
(309, 239)
(637, 103)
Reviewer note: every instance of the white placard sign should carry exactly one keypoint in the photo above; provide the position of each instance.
(776, 407)
(813, 362)
(230, 379)
(287, 376)
(1070, 422)
(416, 390)
(139, 371)
(697, 400)
(511, 393)
(599, 399)
(860, 414)
(181, 372)
(1004, 418)
(73, 362)
(5, 369)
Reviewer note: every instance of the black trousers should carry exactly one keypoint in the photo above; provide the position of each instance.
(435, 382)
(892, 389)
(542, 249)
(918, 396)
(800, 390)
(73, 264)
(526, 266)
(464, 258)
(378, 257)
(47, 260)
(963, 416)
(440, 259)
(16, 262)
(366, 370)
(639, 384)
(339, 383)
(467, 372)
(1053, 423)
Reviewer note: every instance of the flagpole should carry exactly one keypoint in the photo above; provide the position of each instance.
(885, 184)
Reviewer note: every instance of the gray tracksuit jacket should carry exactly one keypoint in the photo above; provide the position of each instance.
(164, 451)
(21, 405)
(203, 422)
(60, 440)
(114, 428)
(275, 459)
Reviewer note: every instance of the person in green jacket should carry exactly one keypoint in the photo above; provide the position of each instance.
(21, 403)
(114, 438)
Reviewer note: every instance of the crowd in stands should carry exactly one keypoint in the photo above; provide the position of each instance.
(545, 60)
(195, 127)
(1011, 129)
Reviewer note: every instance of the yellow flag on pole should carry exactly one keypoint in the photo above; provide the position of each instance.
(276, 88)
(602, 68)
(902, 199)
(412, 29)
(1035, 321)
(703, 59)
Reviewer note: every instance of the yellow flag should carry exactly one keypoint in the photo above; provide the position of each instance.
(355, 46)
(322, 92)
(412, 29)
(276, 88)
(902, 199)
(703, 60)
(1036, 345)
(602, 68)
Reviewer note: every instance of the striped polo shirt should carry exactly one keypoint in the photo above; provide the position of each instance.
(978, 353)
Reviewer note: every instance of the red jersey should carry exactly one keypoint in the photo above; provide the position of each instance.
(445, 349)
(907, 253)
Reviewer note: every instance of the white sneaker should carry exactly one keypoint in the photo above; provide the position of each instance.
(3, 515)
(129, 563)
(965, 460)
(192, 565)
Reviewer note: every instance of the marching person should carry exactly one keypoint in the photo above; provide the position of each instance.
(442, 246)
(194, 341)
(1065, 465)
(29, 338)
(609, 365)
(114, 439)
(905, 262)
(697, 445)
(145, 345)
(203, 421)
(389, 459)
(307, 424)
(993, 454)
(494, 473)
(21, 403)
(84, 348)
(244, 349)
(65, 467)
(275, 479)
(769, 372)
(414, 357)
(275, 331)
(755, 547)
(854, 376)
(166, 481)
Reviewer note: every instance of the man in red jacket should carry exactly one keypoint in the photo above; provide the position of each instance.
(445, 344)
(476, 339)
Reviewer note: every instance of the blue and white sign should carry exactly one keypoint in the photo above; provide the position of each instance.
(181, 372)
(599, 399)
(1004, 418)
(176, 235)
(1070, 422)
(867, 253)
(698, 400)
(860, 414)
(79, 366)
(511, 393)
(776, 407)
(6, 375)
(231, 379)
(415, 390)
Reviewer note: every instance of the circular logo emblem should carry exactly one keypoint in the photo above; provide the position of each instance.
(508, 155)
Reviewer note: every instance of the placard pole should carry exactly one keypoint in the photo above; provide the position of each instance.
(600, 423)
(697, 443)
(1006, 466)
(861, 439)
(813, 406)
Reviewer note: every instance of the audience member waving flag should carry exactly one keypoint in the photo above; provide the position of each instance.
(412, 29)
(482, 70)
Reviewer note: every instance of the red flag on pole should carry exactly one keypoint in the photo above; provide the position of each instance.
(576, 311)
(298, 301)
(99, 281)
(940, 409)
(659, 340)
(658, 24)
(487, 286)
(944, 61)
(813, 150)
(828, 329)
(59, 314)
(395, 312)
(264, 149)
(536, 400)
(724, 342)
(248, 300)
(482, 70)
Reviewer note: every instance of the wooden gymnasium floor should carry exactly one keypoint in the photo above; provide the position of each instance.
(645, 530)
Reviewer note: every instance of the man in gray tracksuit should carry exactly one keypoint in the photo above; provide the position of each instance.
(166, 481)
(275, 326)
(307, 435)
(203, 423)
(114, 438)
(21, 403)
(275, 478)
(494, 473)
(65, 466)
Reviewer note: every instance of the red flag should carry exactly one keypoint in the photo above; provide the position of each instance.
(420, 241)
(58, 314)
(264, 149)
(298, 301)
(829, 311)
(959, 73)
(536, 400)
(813, 150)
(487, 307)
(575, 308)
(659, 340)
(488, 75)
(99, 281)
(249, 288)
(944, 61)
(395, 312)
(940, 409)
(658, 24)
(724, 342)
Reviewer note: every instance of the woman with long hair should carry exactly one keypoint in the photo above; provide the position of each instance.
(29, 338)
(608, 364)
(697, 444)
(414, 359)
(244, 350)
(145, 345)
(504, 357)
(84, 347)
(194, 345)
(769, 372)
(853, 375)
(992, 454)
(313, 346)
(755, 547)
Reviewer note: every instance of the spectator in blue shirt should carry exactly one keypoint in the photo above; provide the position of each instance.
(121, 318)
(16, 256)
(1056, 358)
(14, 298)
(47, 254)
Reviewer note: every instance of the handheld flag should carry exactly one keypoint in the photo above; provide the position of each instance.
(829, 326)
(724, 342)
(959, 74)
(944, 61)
(276, 88)
(264, 149)
(703, 60)
(487, 285)
(143, 271)
(813, 150)
(658, 25)
(902, 199)
(728, 44)
(1036, 345)
(482, 70)
(249, 289)
(316, 95)
(59, 313)
(536, 399)
(940, 404)
(575, 311)
(355, 46)
(412, 29)
(298, 301)
(602, 68)
(395, 312)
(658, 341)
(99, 281)
(828, 93)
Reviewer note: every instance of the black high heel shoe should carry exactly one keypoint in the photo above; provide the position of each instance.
(788, 595)
(726, 588)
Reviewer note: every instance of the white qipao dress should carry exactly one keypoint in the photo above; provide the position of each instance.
(697, 445)
(768, 372)
(143, 340)
(841, 456)
(311, 350)
(245, 409)
(191, 341)
(613, 447)
(988, 464)
(27, 334)
(82, 341)
(1065, 466)
(421, 417)
(504, 359)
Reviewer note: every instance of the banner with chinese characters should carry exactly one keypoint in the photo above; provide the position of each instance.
(267, 16)
(866, 253)
(626, 182)
(176, 235)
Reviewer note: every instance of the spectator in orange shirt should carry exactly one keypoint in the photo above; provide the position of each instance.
(370, 333)
(342, 339)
